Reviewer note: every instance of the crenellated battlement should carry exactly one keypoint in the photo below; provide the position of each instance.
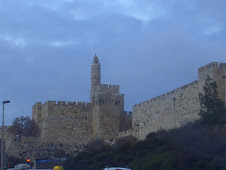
(169, 94)
(211, 70)
(37, 105)
(59, 108)
(213, 64)
(65, 119)
(108, 88)
(114, 88)
(69, 104)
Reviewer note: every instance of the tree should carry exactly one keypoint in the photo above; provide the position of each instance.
(24, 126)
(212, 110)
(27, 127)
(35, 129)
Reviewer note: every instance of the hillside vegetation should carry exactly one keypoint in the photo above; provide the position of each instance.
(198, 145)
(191, 147)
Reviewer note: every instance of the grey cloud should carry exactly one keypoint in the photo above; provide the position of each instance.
(145, 59)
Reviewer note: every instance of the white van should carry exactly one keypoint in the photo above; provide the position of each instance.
(21, 167)
(116, 168)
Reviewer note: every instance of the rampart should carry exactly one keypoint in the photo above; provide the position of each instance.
(162, 113)
(70, 120)
(175, 108)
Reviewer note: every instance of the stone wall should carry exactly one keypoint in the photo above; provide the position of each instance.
(162, 113)
(125, 121)
(35, 148)
(63, 121)
(158, 113)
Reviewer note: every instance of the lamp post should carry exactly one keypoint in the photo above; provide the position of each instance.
(2, 151)
(223, 77)
(137, 126)
(174, 104)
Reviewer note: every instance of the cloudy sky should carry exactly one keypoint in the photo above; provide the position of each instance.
(148, 47)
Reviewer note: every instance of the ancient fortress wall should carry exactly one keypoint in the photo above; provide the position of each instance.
(162, 113)
(63, 121)
(159, 113)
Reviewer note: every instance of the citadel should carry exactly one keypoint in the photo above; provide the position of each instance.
(66, 127)
(103, 118)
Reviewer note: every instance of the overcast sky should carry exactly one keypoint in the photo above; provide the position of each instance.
(148, 47)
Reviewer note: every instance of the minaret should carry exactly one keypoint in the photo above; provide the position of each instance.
(95, 77)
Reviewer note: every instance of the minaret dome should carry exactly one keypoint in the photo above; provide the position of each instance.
(95, 59)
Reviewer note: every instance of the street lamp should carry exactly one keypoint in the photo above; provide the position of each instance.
(2, 154)
(137, 125)
(223, 77)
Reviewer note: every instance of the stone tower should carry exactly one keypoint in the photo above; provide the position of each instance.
(95, 77)
(108, 105)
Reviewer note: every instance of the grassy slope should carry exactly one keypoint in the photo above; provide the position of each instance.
(191, 147)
